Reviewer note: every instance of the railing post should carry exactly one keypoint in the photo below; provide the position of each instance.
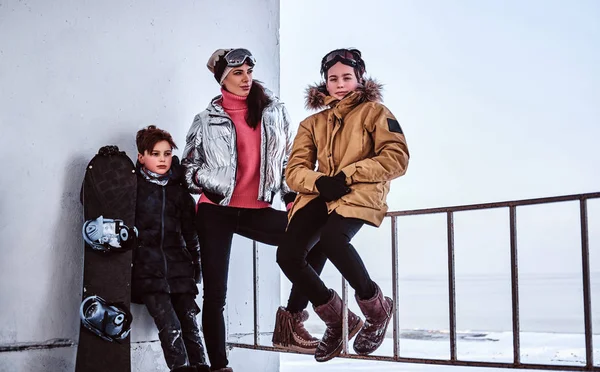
(395, 289)
(451, 285)
(344, 316)
(454, 361)
(587, 300)
(514, 270)
(255, 290)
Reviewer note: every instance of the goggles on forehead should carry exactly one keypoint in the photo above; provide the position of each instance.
(238, 57)
(350, 57)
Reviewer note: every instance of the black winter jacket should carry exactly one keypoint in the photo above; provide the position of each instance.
(167, 242)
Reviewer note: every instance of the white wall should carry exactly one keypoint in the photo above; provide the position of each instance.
(75, 76)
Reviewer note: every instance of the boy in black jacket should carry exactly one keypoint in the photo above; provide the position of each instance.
(166, 264)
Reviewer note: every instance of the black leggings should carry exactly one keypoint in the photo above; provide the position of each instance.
(334, 232)
(216, 226)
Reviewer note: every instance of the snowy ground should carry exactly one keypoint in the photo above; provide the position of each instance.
(538, 348)
(551, 319)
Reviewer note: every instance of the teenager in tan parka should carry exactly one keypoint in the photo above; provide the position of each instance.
(342, 161)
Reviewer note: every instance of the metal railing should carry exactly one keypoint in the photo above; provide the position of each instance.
(453, 360)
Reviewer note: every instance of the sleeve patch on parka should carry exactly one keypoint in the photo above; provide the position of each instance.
(394, 126)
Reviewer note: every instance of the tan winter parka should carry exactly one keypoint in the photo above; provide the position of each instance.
(356, 135)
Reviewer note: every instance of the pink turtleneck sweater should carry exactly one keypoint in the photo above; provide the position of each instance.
(245, 193)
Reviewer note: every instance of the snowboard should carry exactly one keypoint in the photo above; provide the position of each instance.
(108, 195)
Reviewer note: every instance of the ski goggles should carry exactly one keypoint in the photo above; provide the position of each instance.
(350, 57)
(238, 57)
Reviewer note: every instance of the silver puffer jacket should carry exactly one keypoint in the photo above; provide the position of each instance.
(210, 154)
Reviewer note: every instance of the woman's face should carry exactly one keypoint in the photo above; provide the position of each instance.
(341, 80)
(239, 80)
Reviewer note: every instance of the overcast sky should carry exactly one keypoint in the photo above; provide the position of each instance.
(499, 100)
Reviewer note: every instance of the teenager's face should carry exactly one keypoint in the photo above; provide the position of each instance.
(239, 80)
(341, 80)
(159, 159)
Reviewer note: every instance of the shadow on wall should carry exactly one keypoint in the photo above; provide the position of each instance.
(63, 294)
(67, 264)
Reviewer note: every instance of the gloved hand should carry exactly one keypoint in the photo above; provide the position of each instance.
(197, 272)
(341, 176)
(288, 200)
(331, 188)
(213, 197)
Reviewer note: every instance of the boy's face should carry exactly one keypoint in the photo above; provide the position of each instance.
(159, 159)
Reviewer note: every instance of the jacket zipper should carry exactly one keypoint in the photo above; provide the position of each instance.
(335, 128)
(263, 159)
(234, 148)
(162, 231)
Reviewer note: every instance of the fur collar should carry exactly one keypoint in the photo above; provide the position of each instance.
(317, 98)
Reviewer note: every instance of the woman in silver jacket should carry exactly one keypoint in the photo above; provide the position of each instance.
(235, 157)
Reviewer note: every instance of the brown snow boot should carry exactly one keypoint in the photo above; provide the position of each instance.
(184, 369)
(378, 312)
(201, 367)
(331, 313)
(290, 334)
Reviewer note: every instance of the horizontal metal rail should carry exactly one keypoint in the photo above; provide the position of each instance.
(441, 362)
(504, 204)
(453, 360)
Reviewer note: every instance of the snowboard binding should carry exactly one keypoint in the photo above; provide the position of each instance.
(110, 321)
(109, 235)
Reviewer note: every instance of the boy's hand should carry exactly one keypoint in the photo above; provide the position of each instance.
(197, 272)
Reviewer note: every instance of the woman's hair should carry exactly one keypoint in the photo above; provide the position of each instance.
(148, 137)
(257, 100)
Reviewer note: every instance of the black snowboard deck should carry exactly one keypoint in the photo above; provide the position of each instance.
(108, 190)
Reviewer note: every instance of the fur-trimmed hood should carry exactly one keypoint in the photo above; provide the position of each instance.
(317, 97)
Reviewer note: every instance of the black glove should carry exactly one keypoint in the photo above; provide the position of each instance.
(197, 272)
(331, 188)
(289, 198)
(341, 176)
(213, 197)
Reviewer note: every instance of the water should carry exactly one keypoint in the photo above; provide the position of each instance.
(536, 348)
(551, 319)
(548, 303)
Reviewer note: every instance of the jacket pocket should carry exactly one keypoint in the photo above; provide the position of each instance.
(370, 195)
